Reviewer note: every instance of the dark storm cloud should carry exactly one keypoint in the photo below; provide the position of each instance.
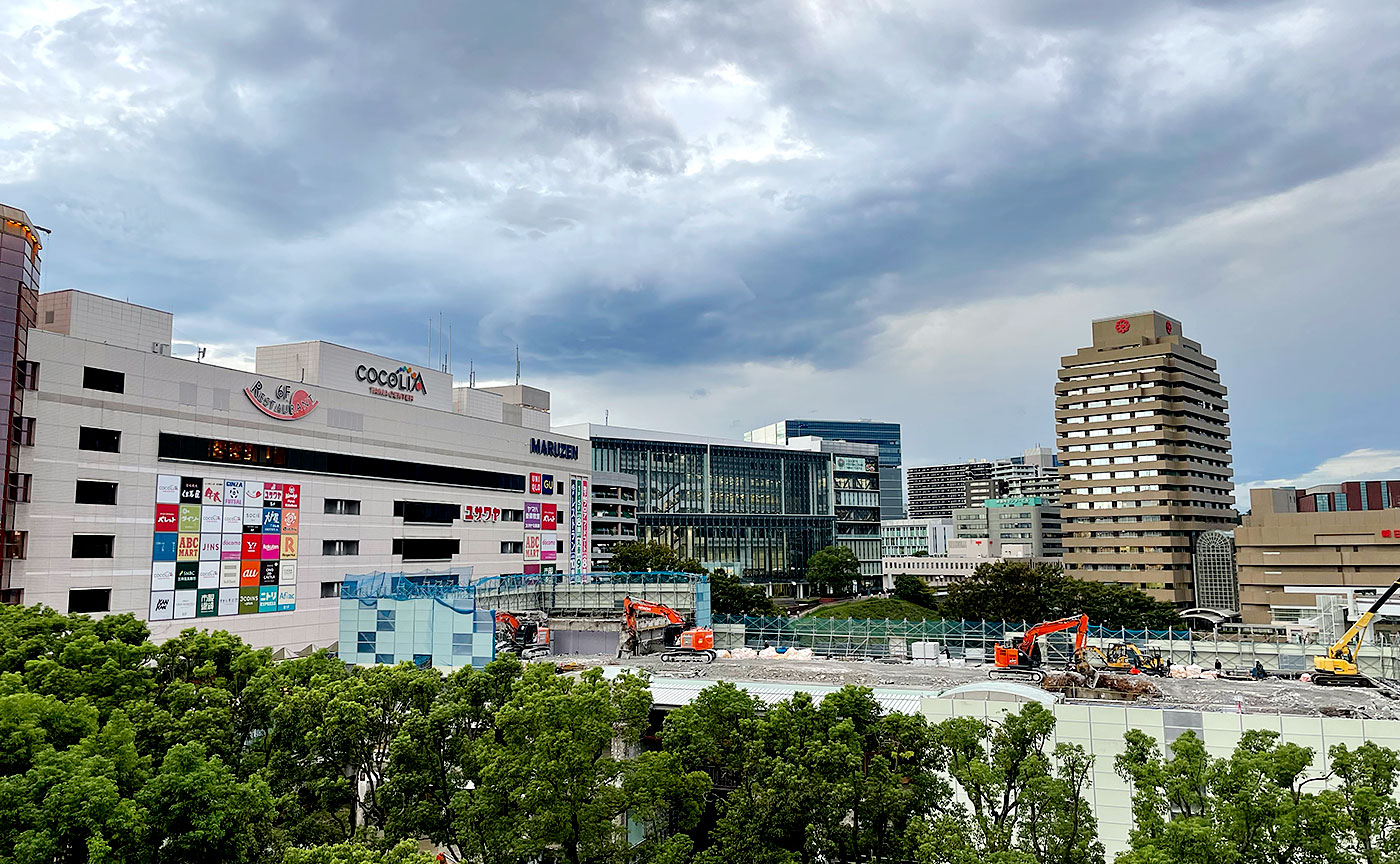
(617, 184)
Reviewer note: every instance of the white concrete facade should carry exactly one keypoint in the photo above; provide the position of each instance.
(489, 531)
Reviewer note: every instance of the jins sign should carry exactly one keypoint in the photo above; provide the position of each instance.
(557, 449)
(399, 384)
(281, 402)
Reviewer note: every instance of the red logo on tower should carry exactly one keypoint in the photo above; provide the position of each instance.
(1122, 326)
(1169, 328)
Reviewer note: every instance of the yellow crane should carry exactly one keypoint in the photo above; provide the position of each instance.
(1338, 665)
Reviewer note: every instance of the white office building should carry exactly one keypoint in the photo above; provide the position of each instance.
(194, 495)
(902, 538)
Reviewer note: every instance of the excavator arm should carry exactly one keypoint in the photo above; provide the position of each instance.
(1346, 647)
(630, 609)
(1079, 622)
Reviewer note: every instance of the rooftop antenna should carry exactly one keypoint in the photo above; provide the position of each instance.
(430, 338)
(517, 365)
(471, 373)
(199, 355)
(605, 416)
(448, 367)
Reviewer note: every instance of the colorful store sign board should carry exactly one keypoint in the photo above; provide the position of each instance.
(280, 402)
(223, 547)
(578, 524)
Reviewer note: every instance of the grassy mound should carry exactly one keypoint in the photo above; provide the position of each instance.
(894, 610)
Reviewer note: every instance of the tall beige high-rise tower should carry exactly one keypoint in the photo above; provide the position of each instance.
(1144, 445)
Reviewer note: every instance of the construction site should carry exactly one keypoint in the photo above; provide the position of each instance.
(661, 623)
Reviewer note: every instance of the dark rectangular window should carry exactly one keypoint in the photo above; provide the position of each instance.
(27, 374)
(190, 448)
(512, 515)
(101, 440)
(330, 589)
(24, 431)
(342, 507)
(93, 545)
(340, 547)
(18, 489)
(103, 379)
(426, 512)
(16, 544)
(96, 492)
(86, 600)
(512, 547)
(426, 548)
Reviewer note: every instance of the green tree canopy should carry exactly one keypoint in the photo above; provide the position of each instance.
(1025, 591)
(834, 568)
(912, 589)
(729, 596)
(643, 557)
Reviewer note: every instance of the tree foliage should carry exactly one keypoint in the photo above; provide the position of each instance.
(728, 596)
(912, 589)
(1025, 591)
(643, 557)
(203, 749)
(833, 569)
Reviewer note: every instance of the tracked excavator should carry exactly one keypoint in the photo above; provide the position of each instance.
(1337, 668)
(1021, 661)
(526, 635)
(1127, 656)
(679, 644)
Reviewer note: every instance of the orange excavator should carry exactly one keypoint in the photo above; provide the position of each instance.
(1021, 660)
(693, 645)
(525, 635)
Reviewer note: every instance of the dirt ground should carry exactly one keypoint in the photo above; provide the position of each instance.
(1271, 696)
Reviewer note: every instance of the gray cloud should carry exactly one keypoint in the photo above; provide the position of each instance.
(688, 185)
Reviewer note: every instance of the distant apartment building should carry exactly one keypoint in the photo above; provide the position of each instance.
(1144, 443)
(886, 436)
(935, 491)
(900, 538)
(1013, 527)
(1357, 495)
(1288, 557)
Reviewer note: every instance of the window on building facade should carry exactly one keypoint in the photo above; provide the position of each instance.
(95, 492)
(99, 440)
(342, 507)
(93, 545)
(19, 487)
(89, 600)
(16, 545)
(27, 374)
(426, 512)
(24, 431)
(330, 589)
(337, 548)
(426, 548)
(103, 379)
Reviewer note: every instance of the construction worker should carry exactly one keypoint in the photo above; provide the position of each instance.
(1259, 673)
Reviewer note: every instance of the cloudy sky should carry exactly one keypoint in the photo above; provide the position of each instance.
(709, 215)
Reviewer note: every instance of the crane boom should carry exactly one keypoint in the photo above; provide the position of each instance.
(1339, 664)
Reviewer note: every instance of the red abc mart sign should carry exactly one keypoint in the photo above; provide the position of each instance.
(280, 402)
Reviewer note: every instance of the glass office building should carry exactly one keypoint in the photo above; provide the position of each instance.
(884, 435)
(760, 511)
